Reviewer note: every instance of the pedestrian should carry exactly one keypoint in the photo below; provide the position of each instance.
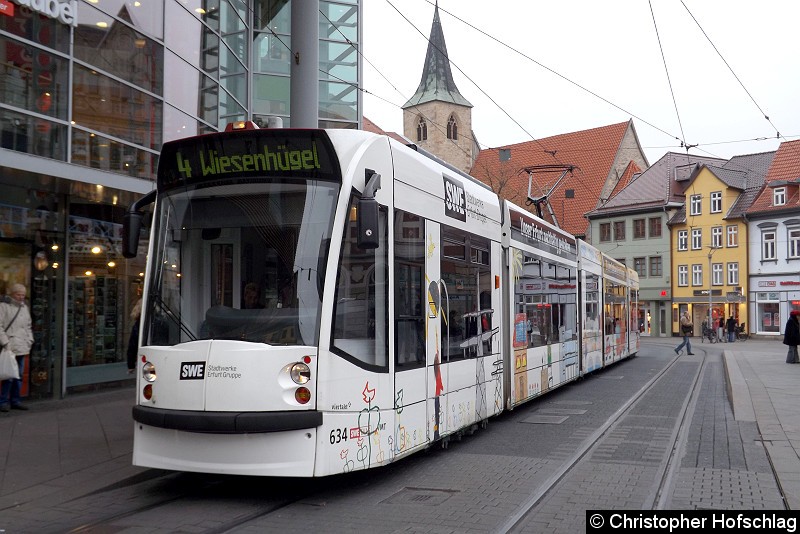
(133, 341)
(721, 329)
(730, 326)
(791, 336)
(686, 330)
(17, 335)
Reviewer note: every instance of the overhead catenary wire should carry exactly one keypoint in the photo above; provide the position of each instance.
(777, 132)
(669, 81)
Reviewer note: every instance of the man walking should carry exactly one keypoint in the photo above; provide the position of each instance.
(686, 330)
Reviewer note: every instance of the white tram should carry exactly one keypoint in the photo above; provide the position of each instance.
(320, 301)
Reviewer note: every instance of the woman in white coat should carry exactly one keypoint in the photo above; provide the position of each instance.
(17, 335)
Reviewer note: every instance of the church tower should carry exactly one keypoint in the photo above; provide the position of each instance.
(437, 118)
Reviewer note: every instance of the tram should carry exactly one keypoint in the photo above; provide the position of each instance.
(322, 301)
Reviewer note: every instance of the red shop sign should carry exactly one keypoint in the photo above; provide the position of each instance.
(6, 8)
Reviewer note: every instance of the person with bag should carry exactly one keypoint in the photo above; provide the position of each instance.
(17, 336)
(791, 336)
(686, 330)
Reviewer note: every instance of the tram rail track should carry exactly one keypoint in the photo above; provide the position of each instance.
(246, 497)
(656, 498)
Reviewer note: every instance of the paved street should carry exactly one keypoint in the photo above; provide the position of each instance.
(67, 463)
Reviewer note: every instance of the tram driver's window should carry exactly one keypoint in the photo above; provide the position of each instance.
(361, 306)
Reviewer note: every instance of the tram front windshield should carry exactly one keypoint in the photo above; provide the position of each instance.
(240, 262)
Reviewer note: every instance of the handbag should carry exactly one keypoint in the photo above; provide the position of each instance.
(687, 328)
(8, 365)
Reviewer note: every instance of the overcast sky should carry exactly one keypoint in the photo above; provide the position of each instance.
(611, 49)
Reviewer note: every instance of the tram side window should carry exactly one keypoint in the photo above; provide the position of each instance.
(591, 306)
(361, 308)
(546, 294)
(409, 269)
(466, 302)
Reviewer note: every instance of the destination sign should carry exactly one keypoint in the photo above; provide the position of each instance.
(252, 154)
(535, 233)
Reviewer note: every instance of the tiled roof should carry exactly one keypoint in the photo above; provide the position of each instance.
(745, 173)
(754, 167)
(785, 169)
(369, 126)
(593, 153)
(657, 186)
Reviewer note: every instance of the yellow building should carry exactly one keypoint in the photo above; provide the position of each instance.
(709, 239)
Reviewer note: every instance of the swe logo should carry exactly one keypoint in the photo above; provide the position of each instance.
(455, 203)
(193, 370)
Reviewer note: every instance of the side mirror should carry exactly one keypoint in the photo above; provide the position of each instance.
(367, 212)
(367, 223)
(131, 228)
(132, 224)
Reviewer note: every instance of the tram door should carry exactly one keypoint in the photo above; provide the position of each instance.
(410, 313)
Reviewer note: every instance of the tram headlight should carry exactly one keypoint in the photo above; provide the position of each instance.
(300, 373)
(149, 372)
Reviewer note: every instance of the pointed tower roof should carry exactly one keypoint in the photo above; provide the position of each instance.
(437, 80)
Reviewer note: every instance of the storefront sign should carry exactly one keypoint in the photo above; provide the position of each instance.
(767, 283)
(790, 283)
(65, 12)
(6, 8)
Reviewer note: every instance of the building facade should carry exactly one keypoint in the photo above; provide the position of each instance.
(774, 247)
(710, 239)
(90, 92)
(632, 227)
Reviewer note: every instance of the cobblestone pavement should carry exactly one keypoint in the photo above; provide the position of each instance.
(65, 463)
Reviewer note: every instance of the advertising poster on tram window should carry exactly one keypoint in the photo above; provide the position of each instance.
(520, 337)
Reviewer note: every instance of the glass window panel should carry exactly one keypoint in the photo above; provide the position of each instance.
(229, 59)
(228, 108)
(272, 53)
(33, 79)
(184, 37)
(190, 90)
(337, 21)
(31, 135)
(106, 105)
(178, 125)
(206, 10)
(37, 28)
(232, 16)
(99, 152)
(145, 15)
(236, 86)
(333, 124)
(271, 95)
(339, 61)
(209, 60)
(121, 51)
(338, 101)
(275, 14)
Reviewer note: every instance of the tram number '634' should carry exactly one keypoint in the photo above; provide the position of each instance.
(338, 435)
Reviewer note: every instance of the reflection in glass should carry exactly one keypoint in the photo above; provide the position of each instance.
(34, 80)
(100, 152)
(272, 53)
(343, 22)
(338, 101)
(275, 14)
(338, 61)
(106, 105)
(145, 15)
(36, 28)
(32, 135)
(121, 51)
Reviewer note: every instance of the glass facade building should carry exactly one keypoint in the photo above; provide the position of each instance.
(87, 98)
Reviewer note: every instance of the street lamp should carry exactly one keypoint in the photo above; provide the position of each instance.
(711, 252)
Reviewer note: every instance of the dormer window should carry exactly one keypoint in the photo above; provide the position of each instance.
(422, 130)
(779, 196)
(452, 128)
